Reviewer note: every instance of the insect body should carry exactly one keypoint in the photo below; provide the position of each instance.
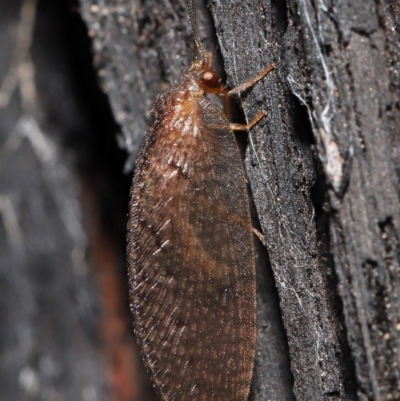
(190, 245)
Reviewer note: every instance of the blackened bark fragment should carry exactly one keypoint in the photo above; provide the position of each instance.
(49, 346)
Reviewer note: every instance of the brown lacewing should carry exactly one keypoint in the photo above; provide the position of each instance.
(190, 247)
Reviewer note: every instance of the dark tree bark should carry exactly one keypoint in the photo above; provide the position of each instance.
(49, 305)
(323, 168)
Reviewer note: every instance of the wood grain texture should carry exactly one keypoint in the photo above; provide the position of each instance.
(49, 343)
(356, 117)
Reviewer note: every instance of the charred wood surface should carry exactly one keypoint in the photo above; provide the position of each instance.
(49, 344)
(323, 169)
(62, 224)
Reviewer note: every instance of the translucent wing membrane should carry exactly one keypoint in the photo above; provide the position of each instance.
(190, 252)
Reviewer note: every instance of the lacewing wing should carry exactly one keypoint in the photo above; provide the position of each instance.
(191, 262)
(190, 245)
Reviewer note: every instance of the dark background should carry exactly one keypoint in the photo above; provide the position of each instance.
(77, 83)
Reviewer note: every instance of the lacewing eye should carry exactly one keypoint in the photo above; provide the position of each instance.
(210, 78)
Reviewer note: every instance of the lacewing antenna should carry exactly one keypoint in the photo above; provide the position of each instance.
(193, 22)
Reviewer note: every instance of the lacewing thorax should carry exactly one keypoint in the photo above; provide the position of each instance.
(190, 254)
